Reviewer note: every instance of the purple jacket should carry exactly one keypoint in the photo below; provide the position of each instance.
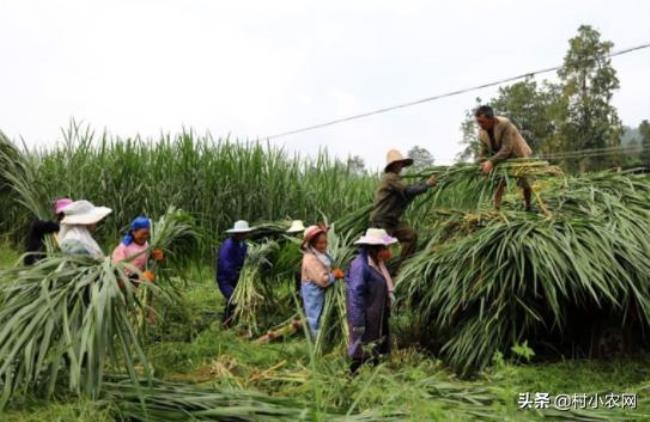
(231, 259)
(367, 302)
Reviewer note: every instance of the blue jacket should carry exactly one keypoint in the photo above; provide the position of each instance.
(367, 303)
(230, 261)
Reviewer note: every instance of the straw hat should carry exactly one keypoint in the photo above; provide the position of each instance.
(297, 226)
(240, 226)
(376, 237)
(394, 156)
(311, 232)
(84, 213)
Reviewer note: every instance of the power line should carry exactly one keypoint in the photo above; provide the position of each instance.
(439, 96)
(623, 149)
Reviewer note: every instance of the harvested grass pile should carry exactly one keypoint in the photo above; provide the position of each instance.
(67, 319)
(486, 282)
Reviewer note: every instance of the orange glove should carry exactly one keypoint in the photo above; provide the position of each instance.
(338, 273)
(157, 255)
(149, 276)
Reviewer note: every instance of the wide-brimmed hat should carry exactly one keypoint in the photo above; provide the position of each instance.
(60, 203)
(311, 232)
(376, 237)
(240, 226)
(297, 226)
(394, 156)
(84, 213)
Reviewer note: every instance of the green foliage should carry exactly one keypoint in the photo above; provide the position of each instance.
(67, 318)
(644, 131)
(421, 157)
(485, 281)
(588, 84)
(216, 181)
(523, 351)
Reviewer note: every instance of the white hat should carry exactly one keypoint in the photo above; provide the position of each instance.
(376, 237)
(394, 156)
(297, 226)
(84, 213)
(240, 226)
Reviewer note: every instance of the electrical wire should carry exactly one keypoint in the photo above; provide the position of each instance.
(440, 96)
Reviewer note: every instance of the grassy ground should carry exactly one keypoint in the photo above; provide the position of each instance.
(188, 344)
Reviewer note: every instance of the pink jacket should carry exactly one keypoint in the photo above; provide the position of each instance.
(123, 253)
(315, 271)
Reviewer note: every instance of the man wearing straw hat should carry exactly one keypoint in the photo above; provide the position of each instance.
(501, 140)
(392, 199)
(230, 261)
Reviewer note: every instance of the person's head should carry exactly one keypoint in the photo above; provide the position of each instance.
(379, 253)
(297, 228)
(240, 237)
(240, 231)
(316, 238)
(58, 206)
(395, 162)
(377, 242)
(485, 117)
(395, 167)
(139, 231)
(319, 243)
(83, 213)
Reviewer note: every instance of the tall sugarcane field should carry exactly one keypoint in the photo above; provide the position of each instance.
(495, 307)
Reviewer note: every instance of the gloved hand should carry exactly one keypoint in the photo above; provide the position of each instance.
(157, 254)
(338, 273)
(432, 181)
(149, 276)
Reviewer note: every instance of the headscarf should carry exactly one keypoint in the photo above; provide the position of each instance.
(59, 204)
(139, 223)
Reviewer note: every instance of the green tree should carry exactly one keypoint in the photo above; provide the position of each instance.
(644, 131)
(356, 165)
(588, 82)
(421, 157)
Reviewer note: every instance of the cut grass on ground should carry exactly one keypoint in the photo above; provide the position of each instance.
(191, 346)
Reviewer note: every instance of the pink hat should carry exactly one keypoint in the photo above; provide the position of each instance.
(60, 204)
(311, 232)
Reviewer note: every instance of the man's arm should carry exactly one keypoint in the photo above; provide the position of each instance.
(482, 151)
(506, 145)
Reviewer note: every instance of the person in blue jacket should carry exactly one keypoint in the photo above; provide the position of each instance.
(230, 261)
(369, 295)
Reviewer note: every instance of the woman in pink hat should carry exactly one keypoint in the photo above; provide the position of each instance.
(317, 275)
(34, 244)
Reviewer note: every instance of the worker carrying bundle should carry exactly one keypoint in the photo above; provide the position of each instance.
(501, 140)
(391, 200)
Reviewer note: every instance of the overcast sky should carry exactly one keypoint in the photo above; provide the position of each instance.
(255, 68)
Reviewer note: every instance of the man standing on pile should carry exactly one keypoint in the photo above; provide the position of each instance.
(501, 140)
(391, 200)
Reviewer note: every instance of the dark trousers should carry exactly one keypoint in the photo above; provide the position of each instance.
(408, 240)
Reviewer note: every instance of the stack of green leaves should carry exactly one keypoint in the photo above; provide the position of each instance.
(65, 320)
(487, 281)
